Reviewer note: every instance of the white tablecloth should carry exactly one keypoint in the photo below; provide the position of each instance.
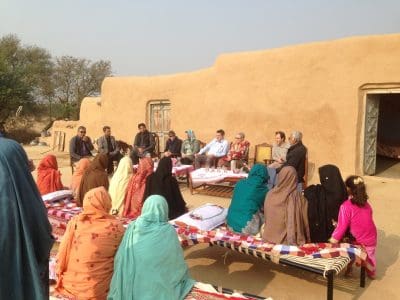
(201, 176)
(177, 171)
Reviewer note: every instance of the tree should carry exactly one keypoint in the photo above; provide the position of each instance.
(24, 73)
(76, 78)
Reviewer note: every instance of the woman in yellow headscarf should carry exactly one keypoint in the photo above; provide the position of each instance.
(118, 185)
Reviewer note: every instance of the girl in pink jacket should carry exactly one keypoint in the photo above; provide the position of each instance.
(356, 213)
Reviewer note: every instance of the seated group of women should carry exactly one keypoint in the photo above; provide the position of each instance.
(85, 265)
(98, 260)
(282, 215)
(127, 188)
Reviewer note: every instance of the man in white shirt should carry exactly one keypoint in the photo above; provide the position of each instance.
(213, 151)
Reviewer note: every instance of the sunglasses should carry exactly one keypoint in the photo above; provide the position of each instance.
(238, 137)
(82, 131)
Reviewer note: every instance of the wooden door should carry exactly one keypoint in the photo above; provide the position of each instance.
(160, 120)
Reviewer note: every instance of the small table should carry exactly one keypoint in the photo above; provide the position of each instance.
(212, 182)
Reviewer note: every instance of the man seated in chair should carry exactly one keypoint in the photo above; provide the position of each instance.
(80, 145)
(213, 151)
(279, 150)
(296, 157)
(107, 144)
(143, 144)
(173, 145)
(237, 154)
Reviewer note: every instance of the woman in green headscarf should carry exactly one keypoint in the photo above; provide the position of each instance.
(149, 263)
(25, 231)
(190, 147)
(244, 214)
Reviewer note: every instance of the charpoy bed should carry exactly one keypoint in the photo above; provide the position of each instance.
(324, 259)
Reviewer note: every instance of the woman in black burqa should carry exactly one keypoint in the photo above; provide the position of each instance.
(324, 201)
(161, 182)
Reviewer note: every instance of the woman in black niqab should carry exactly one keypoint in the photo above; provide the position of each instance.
(324, 201)
(161, 182)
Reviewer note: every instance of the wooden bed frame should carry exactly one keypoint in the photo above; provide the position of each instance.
(313, 265)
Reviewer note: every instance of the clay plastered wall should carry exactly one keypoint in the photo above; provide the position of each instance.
(69, 127)
(90, 116)
(314, 88)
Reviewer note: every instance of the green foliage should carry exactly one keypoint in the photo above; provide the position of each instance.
(29, 75)
(77, 78)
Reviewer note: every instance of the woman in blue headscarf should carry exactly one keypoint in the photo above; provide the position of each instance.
(189, 148)
(149, 263)
(244, 214)
(25, 232)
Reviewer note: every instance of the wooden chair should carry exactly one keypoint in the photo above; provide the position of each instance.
(156, 153)
(72, 165)
(263, 154)
(202, 144)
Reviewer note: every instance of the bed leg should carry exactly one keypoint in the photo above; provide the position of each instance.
(329, 289)
(362, 276)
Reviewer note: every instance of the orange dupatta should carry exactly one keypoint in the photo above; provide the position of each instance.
(82, 166)
(85, 260)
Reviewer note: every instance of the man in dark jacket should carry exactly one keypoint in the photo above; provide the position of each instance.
(143, 144)
(296, 157)
(80, 145)
(107, 144)
(173, 145)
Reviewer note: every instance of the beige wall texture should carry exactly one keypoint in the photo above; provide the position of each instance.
(317, 88)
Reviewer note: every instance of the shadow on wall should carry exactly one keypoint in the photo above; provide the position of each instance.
(311, 172)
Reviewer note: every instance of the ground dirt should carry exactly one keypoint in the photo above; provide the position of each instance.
(264, 278)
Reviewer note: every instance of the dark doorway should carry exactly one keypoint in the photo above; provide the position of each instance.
(388, 136)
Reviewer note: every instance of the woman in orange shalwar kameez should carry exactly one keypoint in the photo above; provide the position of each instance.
(85, 260)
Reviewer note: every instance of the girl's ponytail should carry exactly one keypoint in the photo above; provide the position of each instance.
(358, 190)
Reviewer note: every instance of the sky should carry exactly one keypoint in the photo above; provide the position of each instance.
(152, 37)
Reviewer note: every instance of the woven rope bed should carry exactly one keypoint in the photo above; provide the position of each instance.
(324, 259)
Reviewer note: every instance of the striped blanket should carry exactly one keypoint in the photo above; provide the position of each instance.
(191, 236)
(200, 291)
(61, 212)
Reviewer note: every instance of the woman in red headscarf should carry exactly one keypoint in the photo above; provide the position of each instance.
(48, 175)
(133, 202)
